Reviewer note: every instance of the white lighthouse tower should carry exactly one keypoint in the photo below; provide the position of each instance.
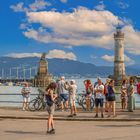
(119, 66)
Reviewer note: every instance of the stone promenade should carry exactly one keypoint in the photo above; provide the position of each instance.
(11, 113)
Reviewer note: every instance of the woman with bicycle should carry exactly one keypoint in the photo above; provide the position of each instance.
(89, 92)
(50, 98)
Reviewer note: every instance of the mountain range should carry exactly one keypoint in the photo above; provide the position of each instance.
(57, 67)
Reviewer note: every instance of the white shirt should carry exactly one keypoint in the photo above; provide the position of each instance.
(99, 95)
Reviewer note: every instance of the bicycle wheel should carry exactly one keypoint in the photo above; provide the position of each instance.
(84, 105)
(91, 103)
(32, 104)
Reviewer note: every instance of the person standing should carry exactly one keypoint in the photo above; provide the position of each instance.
(99, 97)
(131, 96)
(89, 93)
(50, 97)
(26, 96)
(111, 99)
(62, 92)
(106, 94)
(124, 94)
(72, 88)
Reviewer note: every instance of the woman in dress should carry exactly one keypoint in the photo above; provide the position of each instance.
(89, 92)
(124, 94)
(131, 96)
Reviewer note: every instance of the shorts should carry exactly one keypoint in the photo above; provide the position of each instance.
(51, 109)
(72, 100)
(106, 97)
(99, 102)
(111, 98)
(26, 99)
(64, 97)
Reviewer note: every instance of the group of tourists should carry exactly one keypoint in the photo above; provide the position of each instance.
(103, 94)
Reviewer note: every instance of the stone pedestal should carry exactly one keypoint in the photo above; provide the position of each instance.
(43, 78)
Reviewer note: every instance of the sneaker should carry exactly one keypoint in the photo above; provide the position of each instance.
(96, 116)
(48, 132)
(74, 114)
(52, 131)
(102, 115)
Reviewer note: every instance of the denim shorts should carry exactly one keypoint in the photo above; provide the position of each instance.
(64, 97)
(99, 102)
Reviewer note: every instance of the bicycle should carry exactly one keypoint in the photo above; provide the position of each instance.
(82, 101)
(38, 103)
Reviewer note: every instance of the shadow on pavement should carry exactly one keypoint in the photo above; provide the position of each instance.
(25, 132)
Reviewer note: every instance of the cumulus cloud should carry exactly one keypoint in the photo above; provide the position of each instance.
(110, 58)
(51, 54)
(64, 1)
(37, 5)
(132, 40)
(61, 54)
(81, 27)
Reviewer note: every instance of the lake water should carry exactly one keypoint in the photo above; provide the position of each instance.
(8, 99)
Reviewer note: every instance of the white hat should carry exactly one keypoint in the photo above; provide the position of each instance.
(73, 81)
(62, 77)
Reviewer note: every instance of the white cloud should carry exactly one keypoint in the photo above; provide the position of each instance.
(81, 27)
(123, 5)
(110, 58)
(51, 54)
(101, 6)
(61, 54)
(23, 55)
(37, 5)
(19, 7)
(128, 60)
(64, 1)
(132, 40)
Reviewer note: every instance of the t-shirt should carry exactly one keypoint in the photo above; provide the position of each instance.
(25, 91)
(73, 89)
(99, 95)
(61, 87)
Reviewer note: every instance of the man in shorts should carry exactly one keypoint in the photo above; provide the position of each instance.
(63, 93)
(99, 97)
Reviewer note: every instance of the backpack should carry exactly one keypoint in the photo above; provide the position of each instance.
(138, 88)
(105, 89)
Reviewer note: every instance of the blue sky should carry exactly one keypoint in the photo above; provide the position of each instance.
(75, 29)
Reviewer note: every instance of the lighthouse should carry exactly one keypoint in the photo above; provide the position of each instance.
(119, 66)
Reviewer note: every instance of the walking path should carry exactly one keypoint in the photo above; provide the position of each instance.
(11, 113)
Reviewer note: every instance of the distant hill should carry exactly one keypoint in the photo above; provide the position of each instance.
(57, 67)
